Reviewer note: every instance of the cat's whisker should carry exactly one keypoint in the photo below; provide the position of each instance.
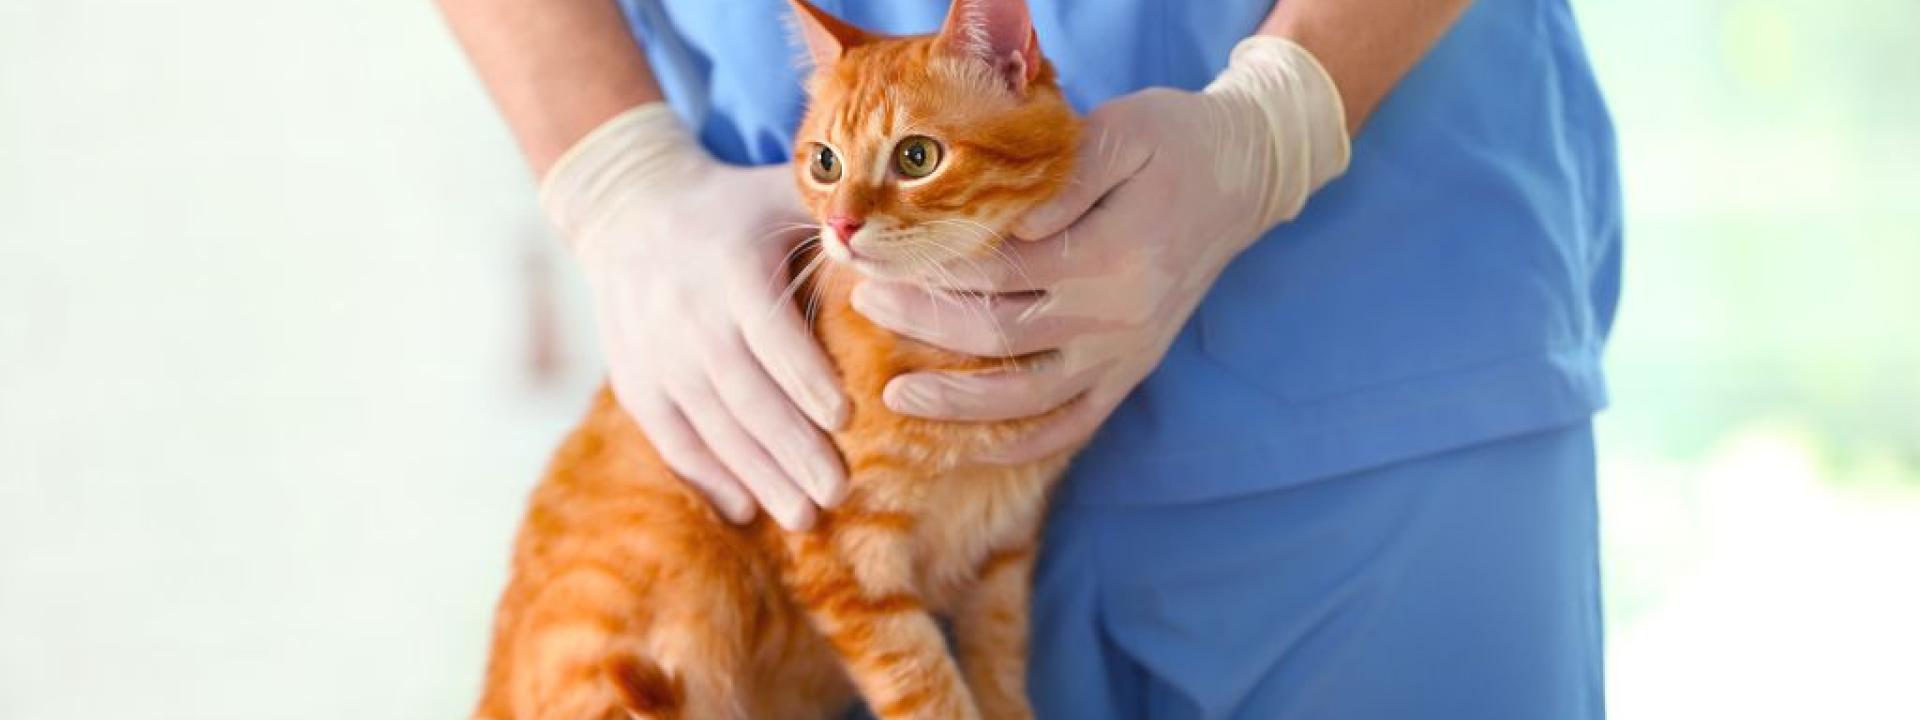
(986, 301)
(961, 252)
(980, 305)
(815, 291)
(999, 249)
(800, 247)
(784, 228)
(786, 263)
(1017, 265)
(799, 278)
(934, 267)
(932, 270)
(924, 263)
(1011, 260)
(997, 235)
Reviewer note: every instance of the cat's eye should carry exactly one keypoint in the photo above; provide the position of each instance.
(917, 156)
(826, 165)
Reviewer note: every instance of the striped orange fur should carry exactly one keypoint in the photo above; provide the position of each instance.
(632, 598)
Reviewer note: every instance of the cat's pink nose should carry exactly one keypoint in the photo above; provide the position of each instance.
(845, 226)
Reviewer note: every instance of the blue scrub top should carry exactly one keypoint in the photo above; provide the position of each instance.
(1455, 286)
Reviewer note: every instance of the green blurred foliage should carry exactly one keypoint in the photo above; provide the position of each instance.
(1771, 158)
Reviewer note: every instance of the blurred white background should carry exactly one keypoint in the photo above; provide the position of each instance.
(267, 412)
(271, 385)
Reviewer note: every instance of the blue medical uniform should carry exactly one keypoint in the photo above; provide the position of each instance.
(1360, 484)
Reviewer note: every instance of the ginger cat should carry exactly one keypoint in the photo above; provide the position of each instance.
(632, 598)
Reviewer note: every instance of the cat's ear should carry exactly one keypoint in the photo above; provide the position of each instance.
(827, 37)
(997, 32)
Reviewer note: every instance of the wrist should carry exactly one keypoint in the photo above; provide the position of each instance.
(637, 156)
(1282, 88)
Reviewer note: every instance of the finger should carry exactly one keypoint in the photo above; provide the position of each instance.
(1105, 159)
(1097, 243)
(1114, 280)
(1071, 428)
(779, 339)
(776, 425)
(1131, 211)
(681, 448)
(1098, 276)
(737, 450)
(978, 325)
(985, 396)
(1010, 267)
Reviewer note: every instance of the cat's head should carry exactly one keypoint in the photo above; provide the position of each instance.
(923, 151)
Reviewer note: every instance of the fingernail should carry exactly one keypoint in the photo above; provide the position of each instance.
(909, 398)
(801, 521)
(826, 406)
(824, 482)
(838, 411)
(739, 512)
(829, 488)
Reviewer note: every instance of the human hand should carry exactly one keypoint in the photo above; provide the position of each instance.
(686, 257)
(1169, 188)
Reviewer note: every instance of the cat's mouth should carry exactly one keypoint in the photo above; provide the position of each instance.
(886, 251)
(841, 250)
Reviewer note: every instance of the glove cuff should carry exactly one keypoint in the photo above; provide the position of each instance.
(1302, 110)
(631, 157)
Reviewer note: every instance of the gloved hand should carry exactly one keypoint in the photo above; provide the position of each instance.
(686, 259)
(1184, 182)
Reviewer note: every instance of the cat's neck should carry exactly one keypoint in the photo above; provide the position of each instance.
(866, 355)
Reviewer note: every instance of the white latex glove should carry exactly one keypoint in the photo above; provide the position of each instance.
(1184, 182)
(686, 258)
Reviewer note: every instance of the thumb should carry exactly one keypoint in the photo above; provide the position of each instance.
(1105, 159)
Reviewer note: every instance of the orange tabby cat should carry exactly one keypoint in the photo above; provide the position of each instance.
(632, 598)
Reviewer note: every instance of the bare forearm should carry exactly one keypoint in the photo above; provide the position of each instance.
(1366, 45)
(556, 68)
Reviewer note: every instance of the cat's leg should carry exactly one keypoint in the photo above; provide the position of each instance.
(856, 584)
(990, 629)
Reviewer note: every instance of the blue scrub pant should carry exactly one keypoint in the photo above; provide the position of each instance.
(1457, 585)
